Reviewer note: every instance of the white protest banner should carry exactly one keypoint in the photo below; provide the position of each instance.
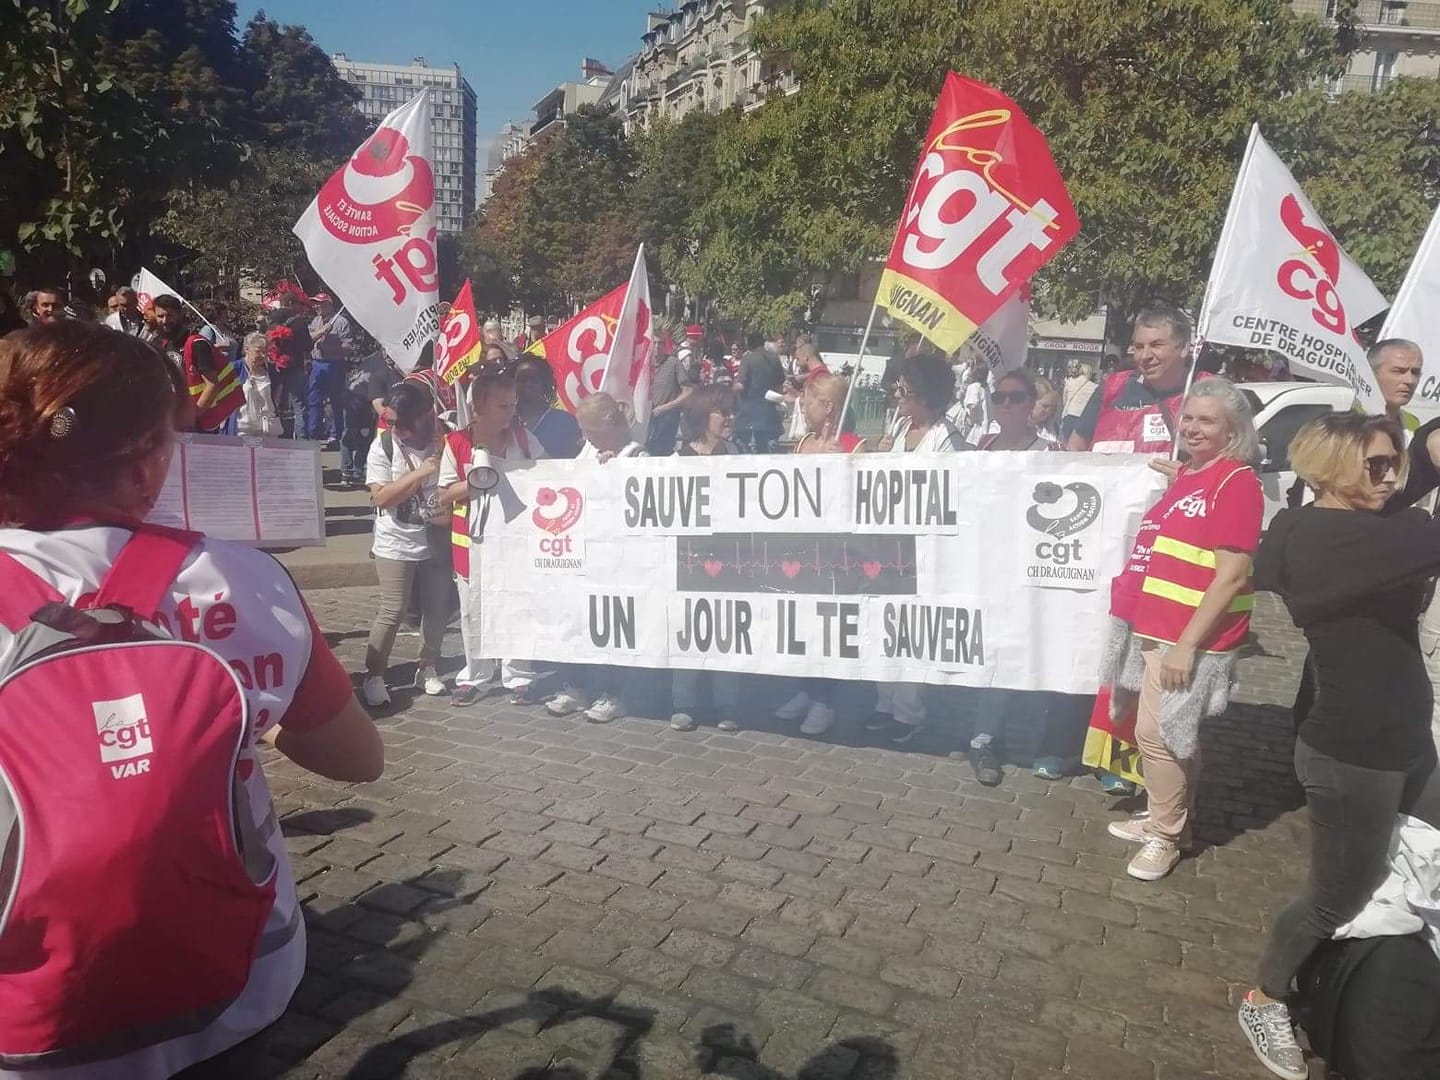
(1003, 340)
(1415, 315)
(973, 569)
(1281, 282)
(628, 371)
(370, 233)
(148, 286)
(261, 491)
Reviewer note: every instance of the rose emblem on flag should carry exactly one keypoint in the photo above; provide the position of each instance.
(380, 193)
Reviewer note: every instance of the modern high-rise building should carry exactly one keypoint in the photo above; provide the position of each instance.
(385, 87)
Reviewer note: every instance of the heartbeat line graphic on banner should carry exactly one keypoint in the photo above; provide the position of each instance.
(804, 563)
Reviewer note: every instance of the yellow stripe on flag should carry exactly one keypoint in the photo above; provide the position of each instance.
(924, 310)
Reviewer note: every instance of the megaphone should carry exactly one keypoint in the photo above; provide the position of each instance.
(483, 478)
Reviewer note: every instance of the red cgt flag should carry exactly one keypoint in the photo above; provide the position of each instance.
(458, 347)
(578, 348)
(987, 208)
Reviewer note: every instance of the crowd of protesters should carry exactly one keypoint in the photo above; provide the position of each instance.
(91, 413)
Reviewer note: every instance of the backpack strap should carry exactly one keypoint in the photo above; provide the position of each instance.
(145, 569)
(25, 593)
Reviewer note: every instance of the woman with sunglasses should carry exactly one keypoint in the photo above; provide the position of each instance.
(1354, 582)
(556, 429)
(1011, 405)
(924, 389)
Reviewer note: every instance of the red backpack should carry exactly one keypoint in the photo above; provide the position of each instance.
(134, 887)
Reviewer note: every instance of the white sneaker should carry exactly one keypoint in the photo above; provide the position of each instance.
(1156, 859)
(795, 708)
(1131, 830)
(818, 719)
(429, 682)
(604, 711)
(374, 692)
(566, 702)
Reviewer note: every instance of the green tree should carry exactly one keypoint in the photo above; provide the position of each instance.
(1146, 107)
(500, 232)
(578, 228)
(299, 101)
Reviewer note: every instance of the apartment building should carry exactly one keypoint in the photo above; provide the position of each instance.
(1397, 37)
(385, 87)
(698, 56)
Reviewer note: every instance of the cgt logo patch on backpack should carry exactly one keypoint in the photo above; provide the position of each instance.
(124, 734)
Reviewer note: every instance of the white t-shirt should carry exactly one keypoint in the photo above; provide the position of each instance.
(257, 415)
(400, 530)
(589, 453)
(942, 436)
(524, 448)
(239, 602)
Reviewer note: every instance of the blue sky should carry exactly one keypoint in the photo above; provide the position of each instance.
(511, 51)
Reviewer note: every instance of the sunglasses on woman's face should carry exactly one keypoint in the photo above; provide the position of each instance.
(1009, 397)
(1380, 466)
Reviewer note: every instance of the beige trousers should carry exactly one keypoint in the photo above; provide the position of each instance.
(1170, 783)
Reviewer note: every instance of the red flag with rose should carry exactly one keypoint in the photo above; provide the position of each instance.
(987, 208)
(458, 347)
(578, 348)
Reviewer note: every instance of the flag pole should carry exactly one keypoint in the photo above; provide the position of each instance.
(855, 375)
(1202, 319)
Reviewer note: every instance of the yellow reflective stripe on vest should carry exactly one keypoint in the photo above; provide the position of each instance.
(1168, 590)
(228, 380)
(1178, 549)
(460, 539)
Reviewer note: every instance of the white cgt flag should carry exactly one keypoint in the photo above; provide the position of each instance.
(628, 371)
(1415, 315)
(370, 233)
(1003, 340)
(1281, 282)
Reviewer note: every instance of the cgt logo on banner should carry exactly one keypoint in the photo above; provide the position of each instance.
(1067, 557)
(987, 208)
(578, 349)
(1281, 282)
(558, 515)
(370, 233)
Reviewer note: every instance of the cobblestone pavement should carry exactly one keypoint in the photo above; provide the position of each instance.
(523, 896)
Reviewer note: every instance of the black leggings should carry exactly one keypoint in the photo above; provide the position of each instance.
(1352, 814)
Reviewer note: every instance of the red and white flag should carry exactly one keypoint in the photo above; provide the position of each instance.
(628, 372)
(458, 346)
(1415, 315)
(148, 286)
(1281, 282)
(370, 233)
(1003, 340)
(578, 349)
(987, 208)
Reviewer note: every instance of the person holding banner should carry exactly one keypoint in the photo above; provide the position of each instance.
(1354, 582)
(924, 390)
(410, 541)
(1180, 610)
(555, 428)
(822, 403)
(598, 689)
(493, 433)
(1134, 411)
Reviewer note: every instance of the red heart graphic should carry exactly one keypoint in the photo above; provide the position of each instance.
(790, 569)
(568, 515)
(872, 569)
(713, 567)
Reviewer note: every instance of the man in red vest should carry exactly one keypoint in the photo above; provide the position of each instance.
(1134, 412)
(213, 382)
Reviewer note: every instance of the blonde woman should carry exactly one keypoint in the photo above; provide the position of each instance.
(1354, 582)
(823, 406)
(1180, 609)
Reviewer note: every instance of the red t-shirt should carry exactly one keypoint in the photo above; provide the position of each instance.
(1220, 506)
